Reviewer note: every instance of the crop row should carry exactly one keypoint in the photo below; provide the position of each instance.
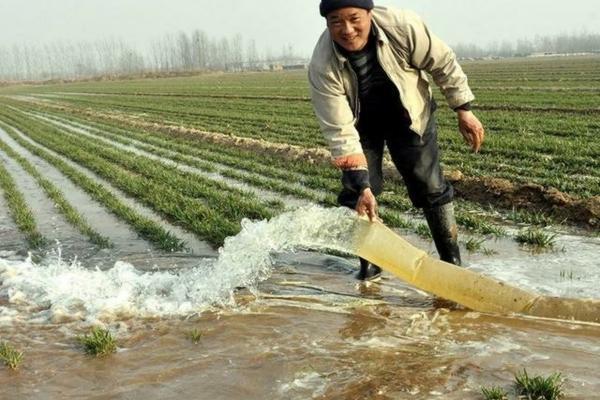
(550, 150)
(286, 106)
(532, 72)
(275, 167)
(395, 204)
(19, 210)
(184, 155)
(260, 124)
(145, 227)
(496, 165)
(208, 209)
(56, 195)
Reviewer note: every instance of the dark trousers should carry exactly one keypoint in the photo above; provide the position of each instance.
(415, 157)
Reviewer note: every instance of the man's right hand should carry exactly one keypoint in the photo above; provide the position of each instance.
(367, 204)
(471, 129)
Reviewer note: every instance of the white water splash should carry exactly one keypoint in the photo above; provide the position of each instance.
(57, 290)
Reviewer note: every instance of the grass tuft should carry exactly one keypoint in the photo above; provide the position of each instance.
(472, 245)
(489, 252)
(538, 218)
(494, 393)
(564, 274)
(394, 219)
(98, 343)
(195, 335)
(536, 238)
(423, 231)
(538, 387)
(10, 356)
(479, 225)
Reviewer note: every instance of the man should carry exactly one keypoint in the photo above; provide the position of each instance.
(370, 89)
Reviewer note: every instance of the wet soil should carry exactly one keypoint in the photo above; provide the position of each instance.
(532, 197)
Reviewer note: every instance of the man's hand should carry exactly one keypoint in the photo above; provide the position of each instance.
(471, 129)
(367, 205)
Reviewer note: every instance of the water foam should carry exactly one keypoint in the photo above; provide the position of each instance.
(570, 271)
(56, 290)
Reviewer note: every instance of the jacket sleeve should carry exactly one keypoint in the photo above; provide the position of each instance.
(429, 53)
(335, 117)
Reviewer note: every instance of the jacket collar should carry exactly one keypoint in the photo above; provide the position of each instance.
(375, 30)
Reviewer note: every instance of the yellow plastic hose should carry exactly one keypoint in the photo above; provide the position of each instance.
(381, 246)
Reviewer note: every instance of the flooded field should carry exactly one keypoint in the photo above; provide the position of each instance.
(278, 321)
(195, 219)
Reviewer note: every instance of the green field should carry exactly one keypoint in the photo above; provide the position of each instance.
(542, 117)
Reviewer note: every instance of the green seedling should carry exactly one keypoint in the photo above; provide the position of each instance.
(536, 238)
(489, 252)
(99, 342)
(19, 210)
(395, 220)
(538, 218)
(10, 356)
(494, 393)
(566, 275)
(539, 387)
(423, 231)
(473, 244)
(479, 225)
(195, 335)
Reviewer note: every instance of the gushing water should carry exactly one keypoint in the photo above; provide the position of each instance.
(57, 290)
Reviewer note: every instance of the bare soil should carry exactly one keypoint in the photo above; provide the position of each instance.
(529, 196)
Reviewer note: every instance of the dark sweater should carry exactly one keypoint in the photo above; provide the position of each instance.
(378, 95)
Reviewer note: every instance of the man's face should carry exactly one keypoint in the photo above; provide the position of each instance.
(350, 27)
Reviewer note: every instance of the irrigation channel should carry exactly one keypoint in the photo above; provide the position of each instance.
(279, 321)
(280, 316)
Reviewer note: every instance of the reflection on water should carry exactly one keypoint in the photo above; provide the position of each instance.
(290, 326)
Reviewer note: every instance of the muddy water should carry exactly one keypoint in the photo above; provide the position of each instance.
(301, 328)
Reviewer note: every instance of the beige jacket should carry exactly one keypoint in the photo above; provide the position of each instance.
(406, 51)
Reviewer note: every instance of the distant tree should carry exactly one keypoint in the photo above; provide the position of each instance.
(237, 52)
(251, 53)
(524, 47)
(200, 49)
(184, 47)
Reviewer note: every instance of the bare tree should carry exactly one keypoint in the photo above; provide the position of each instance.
(237, 52)
(171, 53)
(200, 49)
(184, 47)
(251, 54)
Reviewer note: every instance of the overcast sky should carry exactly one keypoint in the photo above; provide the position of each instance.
(276, 23)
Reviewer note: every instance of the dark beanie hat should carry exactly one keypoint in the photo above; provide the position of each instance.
(328, 6)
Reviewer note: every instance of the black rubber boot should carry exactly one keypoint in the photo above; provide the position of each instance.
(368, 271)
(444, 231)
